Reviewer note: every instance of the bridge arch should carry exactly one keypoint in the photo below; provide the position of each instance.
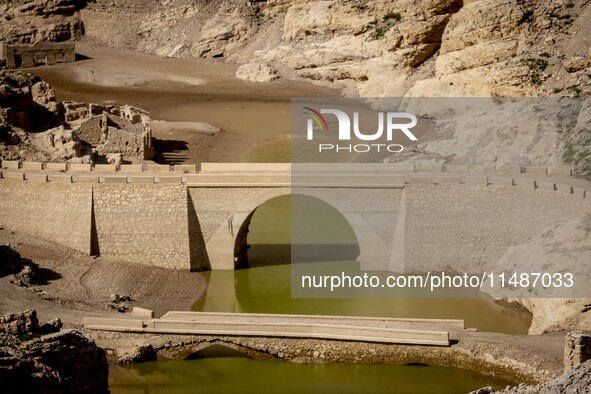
(227, 248)
(318, 230)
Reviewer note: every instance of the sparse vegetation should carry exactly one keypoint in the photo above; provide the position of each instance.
(527, 16)
(537, 66)
(393, 15)
(556, 90)
(380, 31)
(576, 89)
(545, 54)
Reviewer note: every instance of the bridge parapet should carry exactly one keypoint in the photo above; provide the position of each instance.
(273, 168)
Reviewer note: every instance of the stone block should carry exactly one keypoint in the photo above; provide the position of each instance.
(60, 178)
(170, 179)
(192, 178)
(86, 179)
(79, 167)
(10, 164)
(248, 167)
(115, 179)
(105, 168)
(13, 175)
(536, 170)
(32, 165)
(501, 180)
(158, 168)
(135, 168)
(185, 168)
(36, 177)
(142, 312)
(142, 179)
(57, 167)
(457, 168)
(560, 171)
(475, 180)
(509, 170)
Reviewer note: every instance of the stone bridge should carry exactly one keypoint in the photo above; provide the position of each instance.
(177, 217)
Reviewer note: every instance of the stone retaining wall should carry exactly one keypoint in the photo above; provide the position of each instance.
(168, 219)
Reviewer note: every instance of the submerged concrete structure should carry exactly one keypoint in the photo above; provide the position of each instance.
(39, 54)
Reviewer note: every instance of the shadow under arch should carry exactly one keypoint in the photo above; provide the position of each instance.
(293, 225)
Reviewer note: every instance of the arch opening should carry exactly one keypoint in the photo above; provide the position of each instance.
(296, 224)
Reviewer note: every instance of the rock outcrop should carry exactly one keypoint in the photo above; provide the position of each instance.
(30, 22)
(256, 72)
(60, 362)
(570, 244)
(427, 48)
(34, 126)
(32, 123)
(576, 381)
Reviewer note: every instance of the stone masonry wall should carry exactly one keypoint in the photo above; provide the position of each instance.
(57, 212)
(466, 227)
(143, 223)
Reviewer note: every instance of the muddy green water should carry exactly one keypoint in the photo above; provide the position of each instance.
(265, 288)
(240, 375)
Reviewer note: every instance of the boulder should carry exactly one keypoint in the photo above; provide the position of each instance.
(61, 362)
(256, 72)
(576, 63)
(20, 323)
(137, 354)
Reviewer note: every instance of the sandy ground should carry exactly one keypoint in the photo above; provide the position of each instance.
(80, 285)
(183, 90)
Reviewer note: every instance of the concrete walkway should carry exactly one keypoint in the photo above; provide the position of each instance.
(379, 330)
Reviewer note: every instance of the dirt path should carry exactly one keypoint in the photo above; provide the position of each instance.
(81, 285)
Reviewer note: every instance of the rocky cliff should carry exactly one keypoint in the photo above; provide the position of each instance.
(570, 244)
(29, 22)
(576, 381)
(375, 47)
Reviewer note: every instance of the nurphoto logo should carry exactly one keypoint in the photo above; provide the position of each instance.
(388, 123)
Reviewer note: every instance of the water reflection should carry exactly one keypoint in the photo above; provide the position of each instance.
(240, 375)
(265, 287)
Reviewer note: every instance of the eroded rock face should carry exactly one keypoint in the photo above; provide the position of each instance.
(29, 22)
(61, 362)
(569, 243)
(256, 72)
(576, 381)
(19, 323)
